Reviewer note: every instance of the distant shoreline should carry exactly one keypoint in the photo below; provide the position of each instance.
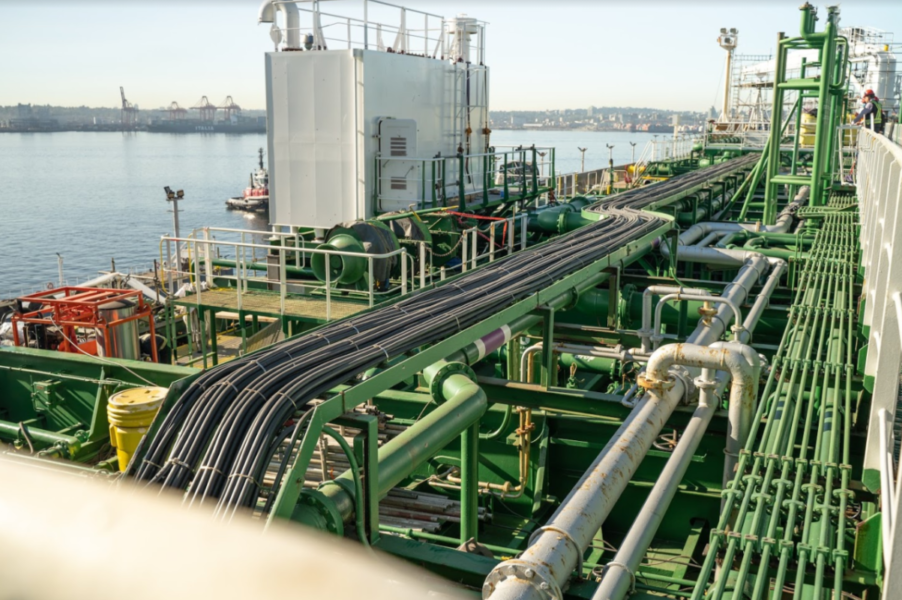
(98, 130)
(655, 131)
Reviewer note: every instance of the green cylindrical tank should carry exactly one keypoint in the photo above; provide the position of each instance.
(362, 237)
(594, 303)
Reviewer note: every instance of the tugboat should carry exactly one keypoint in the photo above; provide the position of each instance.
(256, 195)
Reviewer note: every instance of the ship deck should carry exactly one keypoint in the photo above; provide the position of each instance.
(269, 304)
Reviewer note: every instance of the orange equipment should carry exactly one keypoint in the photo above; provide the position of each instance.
(76, 308)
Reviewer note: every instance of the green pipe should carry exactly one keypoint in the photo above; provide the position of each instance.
(754, 180)
(794, 168)
(257, 266)
(757, 242)
(773, 148)
(444, 539)
(824, 124)
(777, 253)
(691, 217)
(595, 364)
(505, 422)
(560, 218)
(10, 431)
(473, 353)
(595, 302)
(465, 403)
(827, 277)
(358, 484)
(776, 238)
(469, 477)
(461, 197)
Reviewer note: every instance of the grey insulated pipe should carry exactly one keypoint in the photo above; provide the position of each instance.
(737, 292)
(620, 573)
(267, 14)
(557, 548)
(744, 367)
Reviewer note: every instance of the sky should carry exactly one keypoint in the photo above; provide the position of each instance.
(553, 54)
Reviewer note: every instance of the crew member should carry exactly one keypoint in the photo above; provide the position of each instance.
(871, 108)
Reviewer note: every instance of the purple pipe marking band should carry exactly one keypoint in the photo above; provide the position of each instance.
(492, 341)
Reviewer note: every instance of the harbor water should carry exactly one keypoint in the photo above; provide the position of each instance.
(98, 197)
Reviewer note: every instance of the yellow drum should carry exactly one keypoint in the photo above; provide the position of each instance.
(130, 413)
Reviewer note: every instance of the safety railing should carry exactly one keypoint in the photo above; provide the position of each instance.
(417, 183)
(196, 269)
(878, 177)
(383, 27)
(752, 137)
(678, 147)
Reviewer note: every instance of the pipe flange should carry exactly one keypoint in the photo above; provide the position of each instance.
(535, 576)
(444, 372)
(316, 510)
(650, 383)
(707, 312)
(704, 384)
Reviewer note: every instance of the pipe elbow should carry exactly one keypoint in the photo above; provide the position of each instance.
(461, 389)
(454, 382)
(266, 14)
(658, 368)
(740, 360)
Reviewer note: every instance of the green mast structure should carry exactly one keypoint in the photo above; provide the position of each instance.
(824, 80)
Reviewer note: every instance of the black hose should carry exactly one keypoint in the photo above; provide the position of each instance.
(26, 436)
(220, 436)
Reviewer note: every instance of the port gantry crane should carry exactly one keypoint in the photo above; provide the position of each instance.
(207, 109)
(229, 106)
(176, 112)
(129, 114)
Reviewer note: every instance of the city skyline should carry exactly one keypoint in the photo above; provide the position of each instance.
(540, 58)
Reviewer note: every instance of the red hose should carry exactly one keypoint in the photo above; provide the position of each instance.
(482, 218)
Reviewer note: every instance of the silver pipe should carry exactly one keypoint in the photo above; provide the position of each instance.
(619, 352)
(524, 360)
(710, 238)
(620, 573)
(782, 224)
(706, 320)
(740, 360)
(761, 301)
(742, 363)
(737, 292)
(724, 257)
(646, 332)
(556, 549)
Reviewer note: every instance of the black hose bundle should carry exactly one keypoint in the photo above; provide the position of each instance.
(228, 425)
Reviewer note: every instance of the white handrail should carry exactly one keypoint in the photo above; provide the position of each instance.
(878, 175)
(200, 251)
